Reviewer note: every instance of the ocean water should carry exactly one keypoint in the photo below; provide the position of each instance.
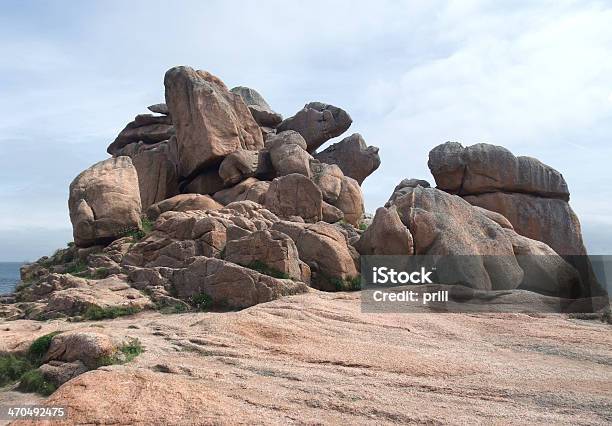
(9, 276)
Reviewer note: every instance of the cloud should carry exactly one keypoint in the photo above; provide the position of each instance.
(535, 77)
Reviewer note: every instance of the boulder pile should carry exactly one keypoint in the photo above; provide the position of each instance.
(216, 201)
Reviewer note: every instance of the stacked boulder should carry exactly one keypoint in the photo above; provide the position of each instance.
(226, 179)
(216, 199)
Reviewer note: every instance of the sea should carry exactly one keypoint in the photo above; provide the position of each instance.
(9, 276)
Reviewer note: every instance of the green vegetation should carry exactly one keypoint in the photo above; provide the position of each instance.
(76, 267)
(363, 226)
(262, 268)
(178, 308)
(126, 353)
(33, 381)
(12, 368)
(147, 225)
(95, 313)
(201, 302)
(350, 284)
(40, 346)
(24, 369)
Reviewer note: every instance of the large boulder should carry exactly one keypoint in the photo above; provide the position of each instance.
(328, 178)
(530, 194)
(387, 235)
(404, 187)
(87, 346)
(230, 285)
(353, 156)
(326, 251)
(294, 195)
(444, 224)
(261, 111)
(211, 122)
(104, 202)
(483, 168)
(268, 249)
(549, 220)
(350, 201)
(183, 203)
(317, 123)
(288, 153)
(250, 189)
(238, 166)
(156, 166)
(147, 128)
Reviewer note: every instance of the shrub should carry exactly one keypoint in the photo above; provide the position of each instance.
(12, 368)
(350, 284)
(33, 381)
(95, 313)
(262, 268)
(147, 225)
(363, 226)
(201, 302)
(40, 346)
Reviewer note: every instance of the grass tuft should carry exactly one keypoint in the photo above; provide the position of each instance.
(33, 381)
(201, 302)
(95, 313)
(262, 268)
(12, 368)
(126, 353)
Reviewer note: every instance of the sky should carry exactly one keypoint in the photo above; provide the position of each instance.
(535, 77)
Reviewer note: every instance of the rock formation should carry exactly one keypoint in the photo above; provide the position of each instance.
(234, 218)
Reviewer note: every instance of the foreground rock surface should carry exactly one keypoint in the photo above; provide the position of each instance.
(315, 358)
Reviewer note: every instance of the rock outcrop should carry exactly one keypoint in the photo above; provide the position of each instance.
(386, 235)
(317, 123)
(522, 189)
(211, 122)
(353, 156)
(104, 202)
(183, 203)
(294, 195)
(146, 128)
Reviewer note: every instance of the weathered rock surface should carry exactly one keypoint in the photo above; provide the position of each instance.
(206, 182)
(329, 179)
(159, 108)
(178, 236)
(404, 187)
(485, 168)
(288, 153)
(271, 248)
(147, 128)
(353, 156)
(230, 285)
(325, 249)
(250, 189)
(317, 123)
(294, 195)
(238, 166)
(350, 201)
(261, 111)
(211, 122)
(104, 202)
(87, 346)
(183, 203)
(387, 235)
(549, 220)
(318, 355)
(156, 166)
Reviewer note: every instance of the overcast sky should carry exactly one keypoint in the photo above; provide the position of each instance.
(535, 77)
